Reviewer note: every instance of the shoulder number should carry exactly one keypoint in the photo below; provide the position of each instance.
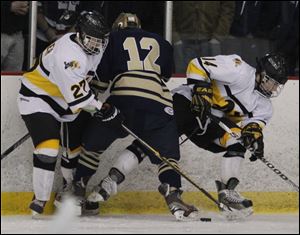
(207, 61)
(135, 62)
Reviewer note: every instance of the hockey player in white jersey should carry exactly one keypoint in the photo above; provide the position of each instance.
(54, 91)
(227, 87)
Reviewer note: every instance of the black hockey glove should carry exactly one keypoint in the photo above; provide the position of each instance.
(252, 139)
(110, 115)
(202, 100)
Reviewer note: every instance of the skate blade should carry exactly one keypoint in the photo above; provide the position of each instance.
(237, 215)
(194, 216)
(57, 204)
(37, 216)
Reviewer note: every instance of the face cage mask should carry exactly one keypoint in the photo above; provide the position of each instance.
(268, 87)
(92, 45)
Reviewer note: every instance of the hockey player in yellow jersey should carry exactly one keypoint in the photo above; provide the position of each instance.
(55, 91)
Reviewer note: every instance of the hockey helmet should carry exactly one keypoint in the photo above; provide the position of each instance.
(92, 32)
(272, 69)
(126, 20)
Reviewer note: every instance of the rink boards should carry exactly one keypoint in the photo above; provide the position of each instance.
(138, 193)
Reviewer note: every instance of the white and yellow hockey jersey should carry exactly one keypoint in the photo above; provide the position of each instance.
(233, 82)
(58, 82)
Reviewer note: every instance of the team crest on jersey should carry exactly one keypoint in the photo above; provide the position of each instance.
(73, 65)
(169, 111)
(237, 62)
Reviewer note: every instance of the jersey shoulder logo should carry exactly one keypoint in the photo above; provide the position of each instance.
(237, 62)
(73, 64)
(169, 111)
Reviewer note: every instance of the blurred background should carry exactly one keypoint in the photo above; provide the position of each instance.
(195, 28)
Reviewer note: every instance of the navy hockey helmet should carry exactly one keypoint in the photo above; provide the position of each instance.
(92, 32)
(126, 20)
(272, 69)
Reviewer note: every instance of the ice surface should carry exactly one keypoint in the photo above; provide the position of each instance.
(141, 224)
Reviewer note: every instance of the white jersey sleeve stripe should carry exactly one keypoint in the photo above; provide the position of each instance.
(236, 100)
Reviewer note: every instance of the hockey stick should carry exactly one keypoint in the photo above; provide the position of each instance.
(14, 146)
(165, 160)
(199, 127)
(265, 161)
(188, 137)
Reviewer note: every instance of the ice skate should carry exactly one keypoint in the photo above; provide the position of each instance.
(181, 210)
(67, 190)
(101, 193)
(37, 207)
(104, 190)
(87, 208)
(240, 206)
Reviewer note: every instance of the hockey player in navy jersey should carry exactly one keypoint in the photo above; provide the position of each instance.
(137, 63)
(54, 92)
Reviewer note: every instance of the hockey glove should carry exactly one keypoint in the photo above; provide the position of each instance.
(202, 99)
(110, 115)
(252, 139)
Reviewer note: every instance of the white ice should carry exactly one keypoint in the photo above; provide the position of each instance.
(141, 224)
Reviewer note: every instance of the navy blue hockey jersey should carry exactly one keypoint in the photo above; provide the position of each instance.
(136, 61)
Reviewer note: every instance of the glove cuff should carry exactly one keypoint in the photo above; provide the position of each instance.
(202, 84)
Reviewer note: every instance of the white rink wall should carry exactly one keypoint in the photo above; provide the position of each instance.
(281, 148)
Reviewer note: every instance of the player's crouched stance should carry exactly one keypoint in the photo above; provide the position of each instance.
(238, 94)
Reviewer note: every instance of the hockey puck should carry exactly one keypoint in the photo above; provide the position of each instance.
(205, 219)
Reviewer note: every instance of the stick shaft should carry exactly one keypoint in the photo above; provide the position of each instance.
(14, 146)
(157, 154)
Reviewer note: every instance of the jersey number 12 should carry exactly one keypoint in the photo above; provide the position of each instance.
(135, 62)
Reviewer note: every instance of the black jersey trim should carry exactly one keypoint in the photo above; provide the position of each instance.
(56, 107)
(201, 64)
(73, 103)
(43, 67)
(245, 111)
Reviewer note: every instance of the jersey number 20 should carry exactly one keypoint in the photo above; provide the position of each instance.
(135, 62)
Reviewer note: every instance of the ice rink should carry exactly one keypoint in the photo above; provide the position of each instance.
(142, 224)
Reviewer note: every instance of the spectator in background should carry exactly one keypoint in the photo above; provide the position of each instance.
(14, 18)
(257, 19)
(199, 26)
(151, 13)
(286, 35)
(245, 18)
(55, 18)
(276, 21)
(268, 18)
